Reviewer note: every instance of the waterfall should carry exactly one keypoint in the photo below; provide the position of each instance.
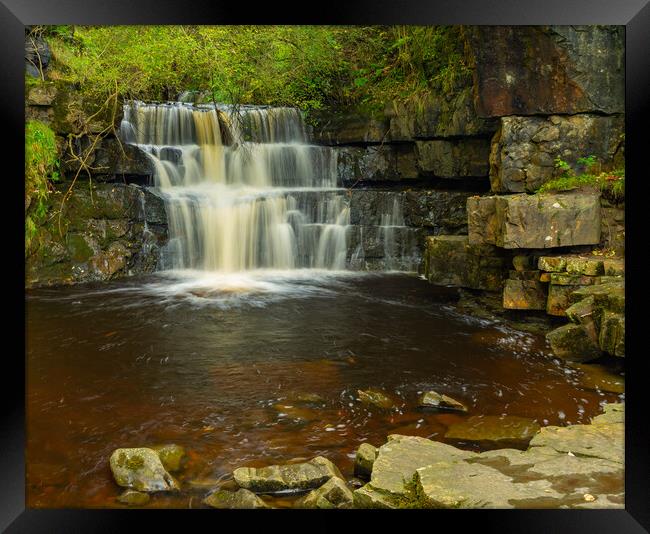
(264, 199)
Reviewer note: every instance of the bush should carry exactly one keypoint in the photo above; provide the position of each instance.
(610, 183)
(41, 168)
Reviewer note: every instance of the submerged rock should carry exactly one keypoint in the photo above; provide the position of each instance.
(134, 498)
(141, 469)
(171, 455)
(494, 431)
(333, 494)
(376, 398)
(240, 499)
(289, 477)
(432, 399)
(365, 457)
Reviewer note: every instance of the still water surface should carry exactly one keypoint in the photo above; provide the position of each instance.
(218, 364)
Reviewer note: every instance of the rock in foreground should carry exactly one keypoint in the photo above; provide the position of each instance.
(333, 494)
(240, 499)
(289, 477)
(141, 469)
(365, 457)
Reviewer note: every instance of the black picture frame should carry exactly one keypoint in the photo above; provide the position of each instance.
(633, 14)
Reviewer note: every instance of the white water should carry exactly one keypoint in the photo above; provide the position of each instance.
(269, 200)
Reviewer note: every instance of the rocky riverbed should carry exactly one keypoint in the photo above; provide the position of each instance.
(578, 466)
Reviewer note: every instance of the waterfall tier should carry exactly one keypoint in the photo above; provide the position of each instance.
(267, 199)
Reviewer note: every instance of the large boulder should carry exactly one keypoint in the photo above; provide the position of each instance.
(395, 467)
(524, 149)
(288, 477)
(534, 221)
(535, 70)
(452, 261)
(141, 469)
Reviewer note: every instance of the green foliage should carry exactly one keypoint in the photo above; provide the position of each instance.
(306, 66)
(610, 183)
(41, 168)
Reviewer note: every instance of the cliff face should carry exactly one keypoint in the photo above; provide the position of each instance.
(536, 94)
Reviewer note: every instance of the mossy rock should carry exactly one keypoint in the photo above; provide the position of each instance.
(171, 455)
(141, 469)
(572, 342)
(333, 494)
(364, 459)
(376, 398)
(240, 499)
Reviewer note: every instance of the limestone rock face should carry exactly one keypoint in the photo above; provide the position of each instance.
(380, 163)
(534, 221)
(240, 499)
(274, 478)
(453, 159)
(528, 70)
(453, 261)
(524, 149)
(437, 117)
(140, 469)
(102, 235)
(333, 494)
(349, 128)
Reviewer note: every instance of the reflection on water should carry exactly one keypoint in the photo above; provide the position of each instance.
(221, 364)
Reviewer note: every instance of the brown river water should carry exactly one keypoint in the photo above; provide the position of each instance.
(218, 365)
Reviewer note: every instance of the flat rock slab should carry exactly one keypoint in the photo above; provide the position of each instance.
(601, 440)
(494, 431)
(289, 477)
(464, 485)
(395, 468)
(140, 469)
(240, 499)
(534, 221)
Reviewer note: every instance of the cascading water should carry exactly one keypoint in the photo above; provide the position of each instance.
(266, 200)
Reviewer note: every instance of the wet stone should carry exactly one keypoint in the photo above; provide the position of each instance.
(524, 295)
(572, 342)
(494, 431)
(364, 459)
(240, 499)
(134, 498)
(140, 469)
(432, 399)
(376, 398)
(171, 455)
(585, 266)
(333, 494)
(553, 264)
(289, 477)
